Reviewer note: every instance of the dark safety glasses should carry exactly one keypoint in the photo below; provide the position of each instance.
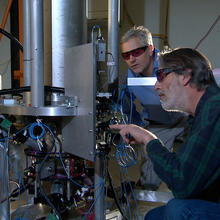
(135, 53)
(162, 73)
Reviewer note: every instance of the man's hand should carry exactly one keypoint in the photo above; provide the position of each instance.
(133, 134)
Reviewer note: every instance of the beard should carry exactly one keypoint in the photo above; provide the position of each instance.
(171, 107)
(174, 99)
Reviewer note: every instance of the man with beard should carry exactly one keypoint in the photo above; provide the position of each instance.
(185, 82)
(141, 58)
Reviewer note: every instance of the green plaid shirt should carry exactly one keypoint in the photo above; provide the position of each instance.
(194, 170)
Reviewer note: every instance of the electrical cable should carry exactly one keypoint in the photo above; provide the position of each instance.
(60, 155)
(131, 107)
(31, 130)
(101, 184)
(124, 160)
(208, 32)
(40, 185)
(19, 176)
(91, 207)
(54, 143)
(11, 137)
(125, 155)
(115, 196)
(92, 32)
(16, 191)
(126, 195)
(41, 164)
(122, 93)
(132, 191)
(12, 38)
(21, 183)
(28, 89)
(61, 160)
(124, 171)
(19, 194)
(14, 182)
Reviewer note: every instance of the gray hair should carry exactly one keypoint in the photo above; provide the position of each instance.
(140, 32)
(197, 64)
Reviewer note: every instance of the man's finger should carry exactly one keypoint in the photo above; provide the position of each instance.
(117, 126)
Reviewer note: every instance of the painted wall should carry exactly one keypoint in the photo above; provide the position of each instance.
(188, 22)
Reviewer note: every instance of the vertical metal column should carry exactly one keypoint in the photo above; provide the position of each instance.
(27, 47)
(99, 192)
(27, 42)
(113, 30)
(37, 42)
(4, 181)
(68, 30)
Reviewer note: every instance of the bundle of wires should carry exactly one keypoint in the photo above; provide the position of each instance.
(55, 143)
(126, 157)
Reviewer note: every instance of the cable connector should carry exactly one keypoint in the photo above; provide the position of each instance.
(6, 124)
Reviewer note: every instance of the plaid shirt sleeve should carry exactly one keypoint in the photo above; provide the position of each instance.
(196, 165)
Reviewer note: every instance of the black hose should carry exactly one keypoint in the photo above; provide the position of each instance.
(11, 37)
(28, 89)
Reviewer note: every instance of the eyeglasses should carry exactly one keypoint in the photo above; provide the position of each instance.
(135, 53)
(162, 73)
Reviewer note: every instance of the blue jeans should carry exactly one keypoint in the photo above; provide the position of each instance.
(188, 209)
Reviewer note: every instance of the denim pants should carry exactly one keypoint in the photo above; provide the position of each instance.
(189, 209)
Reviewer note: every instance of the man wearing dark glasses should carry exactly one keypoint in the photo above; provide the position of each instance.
(141, 57)
(185, 82)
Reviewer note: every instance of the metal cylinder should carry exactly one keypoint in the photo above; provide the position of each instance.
(113, 30)
(37, 42)
(4, 181)
(27, 48)
(99, 182)
(27, 42)
(68, 30)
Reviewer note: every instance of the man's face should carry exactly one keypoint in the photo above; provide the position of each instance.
(138, 64)
(171, 93)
